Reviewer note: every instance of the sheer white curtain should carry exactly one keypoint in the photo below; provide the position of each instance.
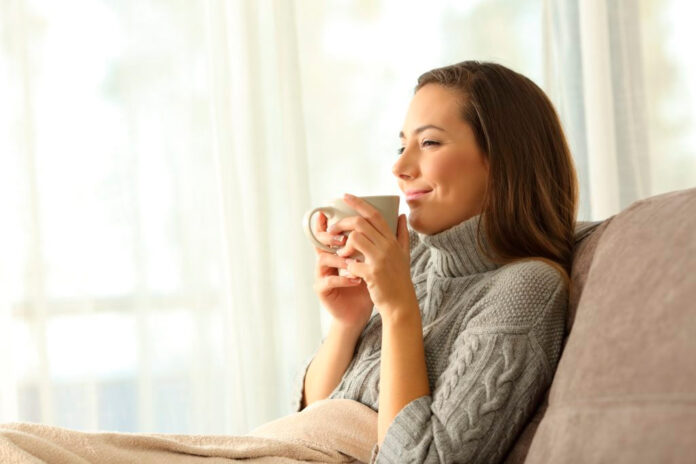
(621, 74)
(156, 159)
(154, 275)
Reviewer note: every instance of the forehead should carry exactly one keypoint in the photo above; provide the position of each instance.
(433, 104)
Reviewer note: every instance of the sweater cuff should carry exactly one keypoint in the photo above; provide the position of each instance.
(409, 428)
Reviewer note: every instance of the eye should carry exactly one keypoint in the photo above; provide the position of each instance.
(401, 150)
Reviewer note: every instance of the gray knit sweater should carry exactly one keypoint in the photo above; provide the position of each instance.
(492, 337)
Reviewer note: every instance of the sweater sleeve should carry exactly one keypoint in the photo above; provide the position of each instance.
(496, 375)
(479, 406)
(299, 383)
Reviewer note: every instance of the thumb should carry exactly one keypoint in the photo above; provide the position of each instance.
(402, 233)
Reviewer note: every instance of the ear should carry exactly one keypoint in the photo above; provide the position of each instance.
(402, 233)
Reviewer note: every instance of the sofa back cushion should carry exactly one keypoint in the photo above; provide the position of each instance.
(625, 386)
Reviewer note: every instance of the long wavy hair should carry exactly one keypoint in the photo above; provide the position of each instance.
(530, 205)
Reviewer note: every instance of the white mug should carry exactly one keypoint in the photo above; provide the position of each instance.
(387, 205)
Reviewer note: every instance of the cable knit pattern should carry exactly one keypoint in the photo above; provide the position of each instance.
(492, 336)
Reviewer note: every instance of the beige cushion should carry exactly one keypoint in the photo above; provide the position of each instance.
(625, 387)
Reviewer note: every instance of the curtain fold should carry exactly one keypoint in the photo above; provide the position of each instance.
(594, 76)
(264, 186)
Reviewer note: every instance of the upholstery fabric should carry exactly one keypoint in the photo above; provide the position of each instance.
(624, 389)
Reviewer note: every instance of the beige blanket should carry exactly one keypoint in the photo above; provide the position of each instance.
(328, 431)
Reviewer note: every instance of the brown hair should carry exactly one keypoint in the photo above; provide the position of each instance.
(531, 200)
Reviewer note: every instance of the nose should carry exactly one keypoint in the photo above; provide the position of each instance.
(403, 169)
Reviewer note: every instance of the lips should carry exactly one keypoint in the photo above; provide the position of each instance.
(413, 194)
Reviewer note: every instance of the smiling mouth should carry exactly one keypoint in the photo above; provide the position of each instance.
(415, 196)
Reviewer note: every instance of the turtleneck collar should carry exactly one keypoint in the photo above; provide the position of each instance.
(454, 252)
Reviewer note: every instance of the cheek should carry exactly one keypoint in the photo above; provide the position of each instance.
(445, 169)
(455, 174)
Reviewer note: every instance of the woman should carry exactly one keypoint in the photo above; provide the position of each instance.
(471, 298)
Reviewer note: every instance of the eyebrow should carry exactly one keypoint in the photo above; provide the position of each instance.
(421, 129)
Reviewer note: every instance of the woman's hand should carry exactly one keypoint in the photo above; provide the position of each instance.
(387, 266)
(347, 301)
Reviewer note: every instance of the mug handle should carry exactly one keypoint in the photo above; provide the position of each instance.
(307, 226)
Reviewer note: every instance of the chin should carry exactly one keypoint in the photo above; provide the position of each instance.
(418, 225)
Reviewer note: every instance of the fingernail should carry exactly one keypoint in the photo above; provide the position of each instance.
(337, 239)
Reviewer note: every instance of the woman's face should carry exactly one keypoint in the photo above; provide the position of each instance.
(446, 161)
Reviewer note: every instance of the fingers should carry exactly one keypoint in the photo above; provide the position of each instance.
(325, 237)
(327, 283)
(369, 212)
(357, 224)
(328, 264)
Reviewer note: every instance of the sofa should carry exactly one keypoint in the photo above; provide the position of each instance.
(624, 390)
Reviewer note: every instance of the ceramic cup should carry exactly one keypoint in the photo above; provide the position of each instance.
(387, 205)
